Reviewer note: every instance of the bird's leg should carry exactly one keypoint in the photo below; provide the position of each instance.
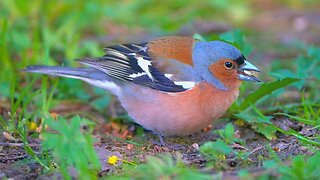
(164, 143)
(154, 142)
(161, 138)
(113, 108)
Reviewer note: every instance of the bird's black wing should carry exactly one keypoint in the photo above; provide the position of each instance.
(132, 63)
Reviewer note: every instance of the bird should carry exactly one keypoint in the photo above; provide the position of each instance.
(173, 85)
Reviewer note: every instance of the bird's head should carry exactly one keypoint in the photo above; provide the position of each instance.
(222, 64)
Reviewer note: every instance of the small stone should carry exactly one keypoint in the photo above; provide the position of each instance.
(130, 146)
(195, 145)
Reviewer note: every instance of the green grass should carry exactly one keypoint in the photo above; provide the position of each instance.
(163, 167)
(55, 33)
(71, 147)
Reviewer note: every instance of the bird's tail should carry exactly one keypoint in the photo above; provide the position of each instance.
(90, 75)
(76, 73)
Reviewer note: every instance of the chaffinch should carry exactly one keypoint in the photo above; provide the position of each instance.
(171, 85)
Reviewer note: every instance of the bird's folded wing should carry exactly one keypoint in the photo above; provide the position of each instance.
(147, 65)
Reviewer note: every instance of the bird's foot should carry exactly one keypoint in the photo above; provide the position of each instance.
(162, 142)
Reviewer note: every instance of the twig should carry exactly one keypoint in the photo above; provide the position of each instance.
(238, 146)
(18, 144)
(256, 149)
(17, 157)
(14, 158)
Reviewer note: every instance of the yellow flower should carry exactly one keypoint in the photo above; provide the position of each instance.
(32, 126)
(222, 157)
(239, 122)
(113, 160)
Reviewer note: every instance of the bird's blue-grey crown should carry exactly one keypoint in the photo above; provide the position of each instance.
(215, 50)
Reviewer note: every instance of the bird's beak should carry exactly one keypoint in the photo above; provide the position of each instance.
(245, 72)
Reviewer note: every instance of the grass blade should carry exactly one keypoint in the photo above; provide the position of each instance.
(265, 89)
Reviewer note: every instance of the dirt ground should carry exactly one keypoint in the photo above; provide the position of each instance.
(15, 163)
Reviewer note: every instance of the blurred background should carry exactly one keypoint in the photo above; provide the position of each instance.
(281, 37)
(278, 36)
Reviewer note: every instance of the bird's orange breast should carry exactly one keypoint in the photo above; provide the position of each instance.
(176, 113)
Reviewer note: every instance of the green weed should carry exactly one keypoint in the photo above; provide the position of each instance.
(70, 146)
(301, 167)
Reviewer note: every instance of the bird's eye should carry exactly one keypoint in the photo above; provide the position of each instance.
(228, 65)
